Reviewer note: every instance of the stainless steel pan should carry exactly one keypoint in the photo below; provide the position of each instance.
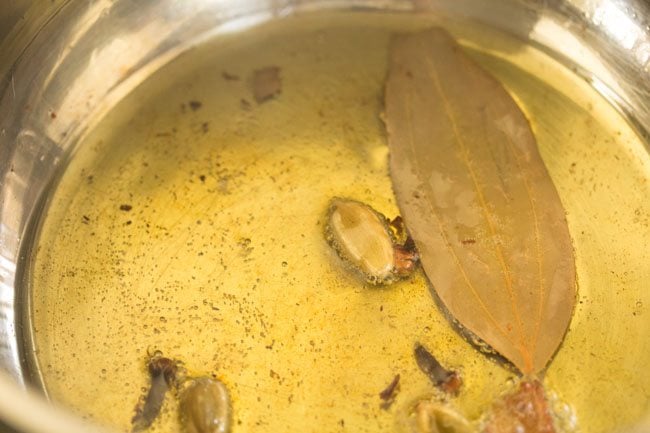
(57, 59)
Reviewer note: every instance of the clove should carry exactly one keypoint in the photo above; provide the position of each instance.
(448, 381)
(163, 375)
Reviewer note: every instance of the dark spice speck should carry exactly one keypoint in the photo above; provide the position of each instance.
(229, 77)
(448, 381)
(390, 392)
(126, 207)
(245, 105)
(267, 83)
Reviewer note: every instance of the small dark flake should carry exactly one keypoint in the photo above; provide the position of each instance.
(229, 77)
(195, 105)
(468, 241)
(202, 178)
(448, 381)
(266, 83)
(390, 392)
(126, 207)
(245, 105)
(205, 126)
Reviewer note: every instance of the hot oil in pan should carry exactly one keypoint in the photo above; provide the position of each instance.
(191, 222)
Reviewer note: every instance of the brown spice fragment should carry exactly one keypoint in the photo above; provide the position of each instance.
(229, 77)
(448, 381)
(407, 258)
(525, 410)
(390, 392)
(244, 104)
(195, 105)
(126, 207)
(397, 224)
(266, 83)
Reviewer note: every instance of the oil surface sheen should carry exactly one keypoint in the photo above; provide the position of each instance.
(191, 221)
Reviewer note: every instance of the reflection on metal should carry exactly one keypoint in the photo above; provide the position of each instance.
(622, 28)
(619, 26)
(617, 34)
(8, 343)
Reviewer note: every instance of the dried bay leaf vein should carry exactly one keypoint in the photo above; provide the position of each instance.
(443, 231)
(531, 201)
(484, 207)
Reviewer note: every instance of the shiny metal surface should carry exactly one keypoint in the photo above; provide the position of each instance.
(64, 64)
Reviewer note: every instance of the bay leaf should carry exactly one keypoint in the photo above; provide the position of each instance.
(477, 199)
